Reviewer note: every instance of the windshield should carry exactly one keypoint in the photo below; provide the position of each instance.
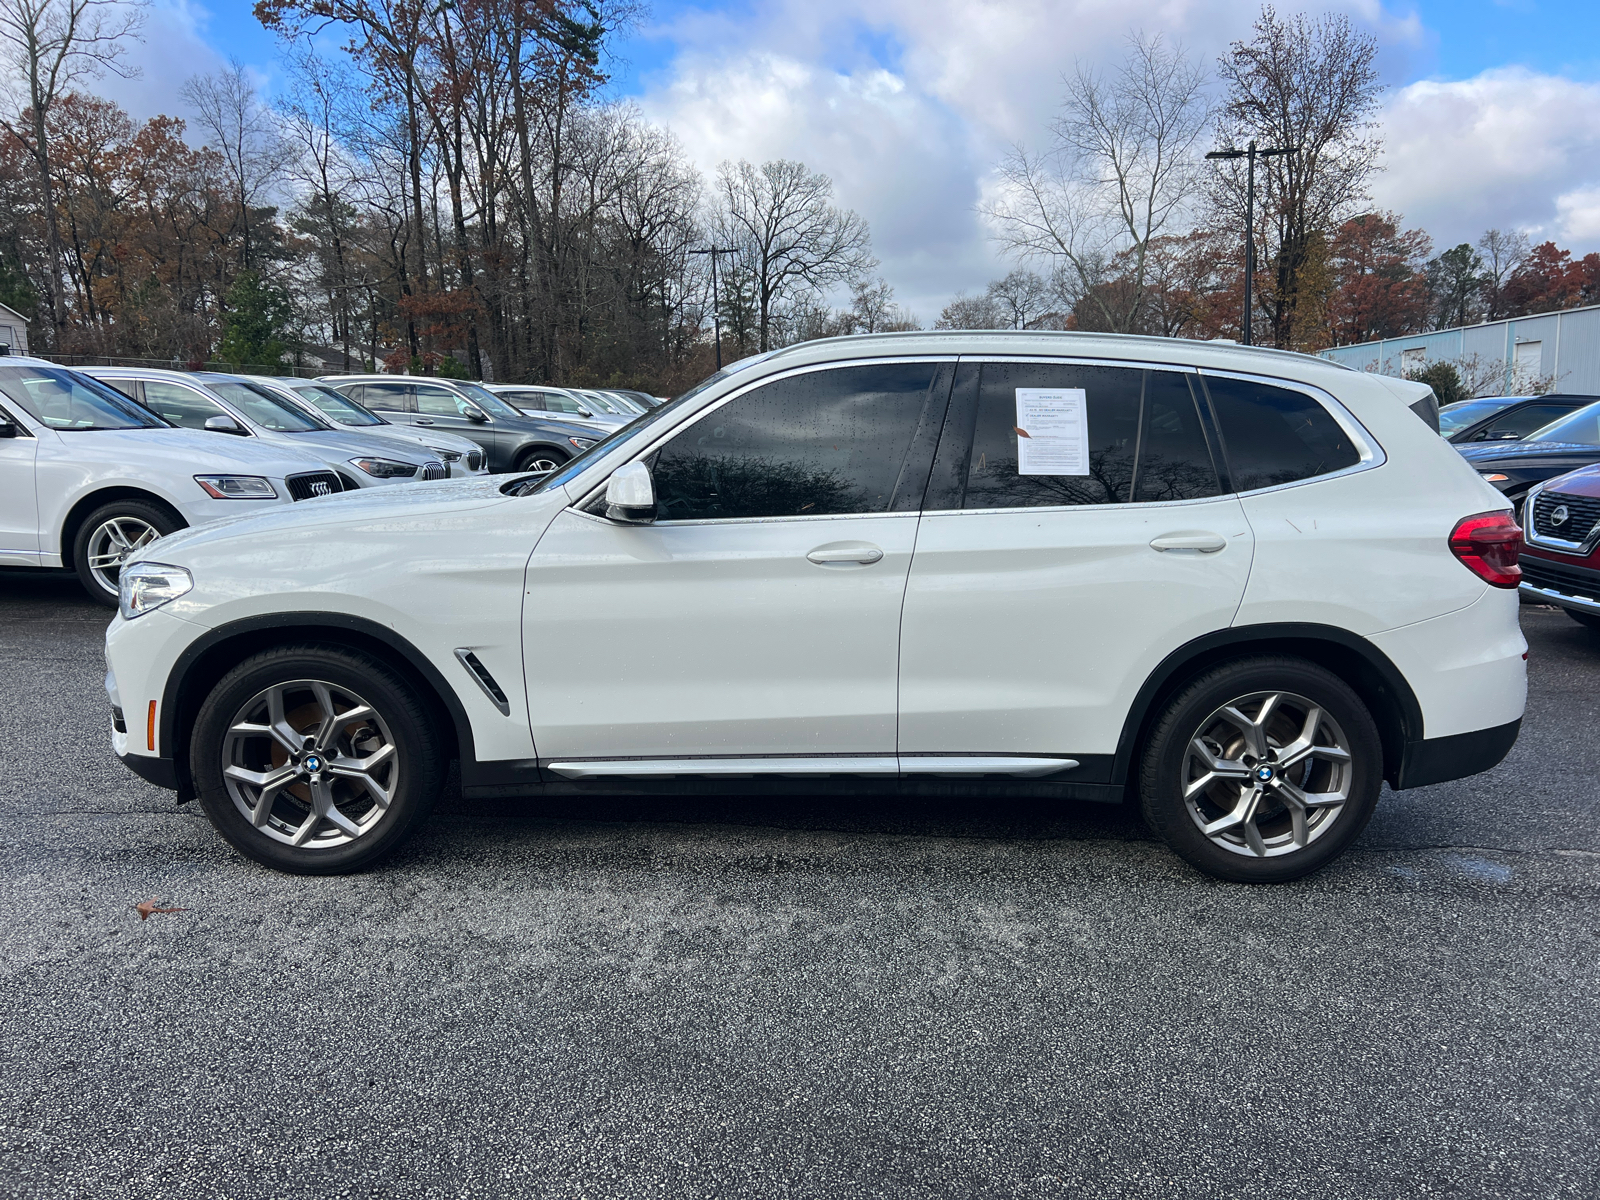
(339, 408)
(1582, 428)
(488, 401)
(575, 466)
(72, 403)
(1456, 417)
(265, 409)
(603, 404)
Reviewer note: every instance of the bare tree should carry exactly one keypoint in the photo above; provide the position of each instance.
(788, 235)
(1310, 86)
(873, 309)
(1120, 171)
(49, 45)
(970, 312)
(1502, 254)
(1020, 298)
(244, 131)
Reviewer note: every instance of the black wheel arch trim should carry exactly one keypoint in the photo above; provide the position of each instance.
(176, 691)
(1195, 656)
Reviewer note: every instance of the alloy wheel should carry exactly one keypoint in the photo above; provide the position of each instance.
(112, 542)
(310, 764)
(1267, 774)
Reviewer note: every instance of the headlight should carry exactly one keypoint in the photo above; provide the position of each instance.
(384, 468)
(237, 487)
(449, 456)
(145, 585)
(583, 443)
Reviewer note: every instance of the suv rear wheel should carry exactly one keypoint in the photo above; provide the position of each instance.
(110, 534)
(314, 760)
(1262, 770)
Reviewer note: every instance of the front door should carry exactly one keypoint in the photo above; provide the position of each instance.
(1049, 582)
(759, 615)
(19, 501)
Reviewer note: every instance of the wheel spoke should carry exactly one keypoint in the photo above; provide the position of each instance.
(1228, 768)
(1294, 797)
(1254, 728)
(287, 736)
(1244, 813)
(307, 827)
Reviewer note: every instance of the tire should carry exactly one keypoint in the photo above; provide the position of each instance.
(1274, 843)
(1587, 620)
(112, 532)
(288, 833)
(540, 458)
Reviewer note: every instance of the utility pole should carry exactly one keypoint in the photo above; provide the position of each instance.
(716, 309)
(1250, 154)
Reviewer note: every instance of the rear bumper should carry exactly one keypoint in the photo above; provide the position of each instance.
(1439, 760)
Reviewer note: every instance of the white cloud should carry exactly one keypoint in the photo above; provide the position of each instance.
(1508, 148)
(909, 104)
(174, 48)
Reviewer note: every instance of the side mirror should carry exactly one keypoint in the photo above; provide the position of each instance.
(631, 496)
(476, 415)
(584, 412)
(225, 424)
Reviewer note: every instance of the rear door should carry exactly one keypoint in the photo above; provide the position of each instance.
(1050, 581)
(392, 401)
(19, 500)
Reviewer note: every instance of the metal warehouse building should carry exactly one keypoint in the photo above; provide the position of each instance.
(1560, 347)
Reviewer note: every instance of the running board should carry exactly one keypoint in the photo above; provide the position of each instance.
(953, 765)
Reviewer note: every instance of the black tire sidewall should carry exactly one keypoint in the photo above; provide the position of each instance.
(1160, 777)
(158, 515)
(529, 457)
(421, 770)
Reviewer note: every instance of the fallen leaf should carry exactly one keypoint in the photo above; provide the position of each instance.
(1021, 432)
(150, 906)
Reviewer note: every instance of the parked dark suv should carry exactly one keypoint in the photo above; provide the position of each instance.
(1515, 466)
(511, 440)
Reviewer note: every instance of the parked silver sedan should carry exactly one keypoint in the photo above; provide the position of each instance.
(242, 406)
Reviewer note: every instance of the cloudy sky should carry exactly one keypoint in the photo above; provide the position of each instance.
(1491, 113)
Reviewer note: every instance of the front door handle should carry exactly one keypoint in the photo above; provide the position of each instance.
(1206, 543)
(424, 420)
(865, 555)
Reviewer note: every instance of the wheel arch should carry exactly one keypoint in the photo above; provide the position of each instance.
(535, 444)
(209, 657)
(1367, 669)
(90, 501)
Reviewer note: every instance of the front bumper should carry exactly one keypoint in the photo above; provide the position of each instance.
(1546, 581)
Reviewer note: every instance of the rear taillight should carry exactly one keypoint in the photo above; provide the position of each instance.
(1489, 544)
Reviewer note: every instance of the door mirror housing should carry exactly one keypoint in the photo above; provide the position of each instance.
(631, 496)
(225, 424)
(476, 415)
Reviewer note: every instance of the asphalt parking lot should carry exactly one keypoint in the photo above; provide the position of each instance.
(771, 999)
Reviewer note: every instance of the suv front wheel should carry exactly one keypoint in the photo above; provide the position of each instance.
(314, 760)
(1262, 770)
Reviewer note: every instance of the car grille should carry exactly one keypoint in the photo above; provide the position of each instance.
(1582, 513)
(1557, 577)
(474, 459)
(434, 470)
(313, 483)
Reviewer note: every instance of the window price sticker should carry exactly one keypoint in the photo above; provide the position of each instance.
(1052, 431)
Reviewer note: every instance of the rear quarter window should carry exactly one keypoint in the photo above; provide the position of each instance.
(1275, 435)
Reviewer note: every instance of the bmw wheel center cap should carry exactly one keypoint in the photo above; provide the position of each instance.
(1264, 774)
(313, 762)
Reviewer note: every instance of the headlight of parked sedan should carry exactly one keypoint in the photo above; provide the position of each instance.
(583, 443)
(146, 585)
(384, 468)
(237, 487)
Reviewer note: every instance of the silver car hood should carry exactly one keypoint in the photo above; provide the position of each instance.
(348, 444)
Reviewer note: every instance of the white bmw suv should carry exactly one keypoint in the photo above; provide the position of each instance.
(1243, 586)
(88, 477)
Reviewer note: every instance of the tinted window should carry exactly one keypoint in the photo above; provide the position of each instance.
(1525, 420)
(487, 400)
(1453, 418)
(1275, 436)
(267, 411)
(390, 396)
(826, 442)
(70, 402)
(339, 408)
(440, 402)
(1144, 438)
(1582, 427)
(179, 404)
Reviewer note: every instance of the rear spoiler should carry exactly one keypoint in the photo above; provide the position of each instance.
(1418, 397)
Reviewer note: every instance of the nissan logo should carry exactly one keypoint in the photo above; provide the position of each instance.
(1559, 515)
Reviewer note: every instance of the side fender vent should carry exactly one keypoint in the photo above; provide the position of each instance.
(486, 681)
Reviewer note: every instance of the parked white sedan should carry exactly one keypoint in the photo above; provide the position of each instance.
(88, 477)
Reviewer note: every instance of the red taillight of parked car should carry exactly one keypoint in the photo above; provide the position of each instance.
(1489, 544)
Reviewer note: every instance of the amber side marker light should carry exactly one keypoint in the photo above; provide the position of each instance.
(150, 728)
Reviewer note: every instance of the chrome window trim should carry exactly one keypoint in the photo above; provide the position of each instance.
(1559, 545)
(746, 386)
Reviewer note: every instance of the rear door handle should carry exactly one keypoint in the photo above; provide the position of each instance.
(1206, 543)
(865, 555)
